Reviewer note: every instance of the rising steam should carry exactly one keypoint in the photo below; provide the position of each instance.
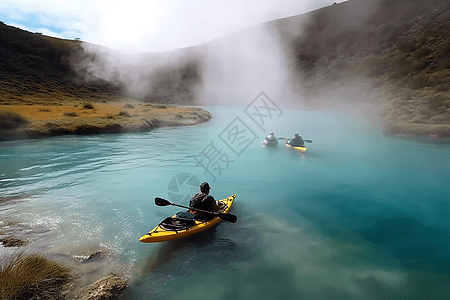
(231, 70)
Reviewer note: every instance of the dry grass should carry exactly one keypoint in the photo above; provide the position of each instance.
(101, 110)
(13, 242)
(80, 118)
(32, 276)
(70, 114)
(12, 120)
(88, 105)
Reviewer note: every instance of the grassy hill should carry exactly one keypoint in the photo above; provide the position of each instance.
(37, 69)
(397, 52)
(393, 55)
(43, 92)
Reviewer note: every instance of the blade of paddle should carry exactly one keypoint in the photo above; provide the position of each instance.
(308, 141)
(227, 217)
(162, 202)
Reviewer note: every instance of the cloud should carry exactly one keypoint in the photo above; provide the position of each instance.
(144, 26)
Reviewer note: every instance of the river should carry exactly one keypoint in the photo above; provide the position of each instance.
(359, 216)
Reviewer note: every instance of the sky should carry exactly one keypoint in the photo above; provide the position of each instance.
(134, 26)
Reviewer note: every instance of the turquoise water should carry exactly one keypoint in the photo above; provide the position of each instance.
(358, 216)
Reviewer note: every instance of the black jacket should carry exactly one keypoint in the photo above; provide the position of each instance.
(202, 201)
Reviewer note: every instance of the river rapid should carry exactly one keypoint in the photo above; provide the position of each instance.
(359, 216)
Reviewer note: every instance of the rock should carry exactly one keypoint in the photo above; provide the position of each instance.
(13, 242)
(85, 256)
(103, 289)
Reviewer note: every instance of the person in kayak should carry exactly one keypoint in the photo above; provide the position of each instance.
(297, 141)
(203, 201)
(271, 137)
(270, 140)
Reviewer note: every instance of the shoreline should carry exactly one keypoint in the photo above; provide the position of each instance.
(93, 271)
(86, 118)
(426, 133)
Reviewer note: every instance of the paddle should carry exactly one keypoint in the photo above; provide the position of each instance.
(285, 138)
(226, 217)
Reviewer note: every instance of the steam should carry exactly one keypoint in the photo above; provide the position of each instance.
(240, 66)
(231, 70)
(133, 74)
(234, 69)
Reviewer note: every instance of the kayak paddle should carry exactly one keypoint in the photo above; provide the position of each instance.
(285, 138)
(226, 217)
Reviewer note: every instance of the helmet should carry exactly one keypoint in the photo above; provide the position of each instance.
(205, 186)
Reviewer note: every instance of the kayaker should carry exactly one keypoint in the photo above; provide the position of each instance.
(271, 137)
(270, 141)
(297, 141)
(203, 201)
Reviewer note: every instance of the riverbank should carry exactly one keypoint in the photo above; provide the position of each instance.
(29, 268)
(19, 121)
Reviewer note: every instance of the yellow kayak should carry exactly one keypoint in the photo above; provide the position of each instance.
(174, 228)
(300, 149)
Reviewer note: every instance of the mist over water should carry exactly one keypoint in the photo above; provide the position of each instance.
(239, 65)
(230, 70)
(359, 216)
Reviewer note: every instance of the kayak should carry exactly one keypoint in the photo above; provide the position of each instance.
(267, 143)
(299, 148)
(180, 225)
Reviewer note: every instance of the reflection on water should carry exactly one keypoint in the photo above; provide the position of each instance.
(358, 216)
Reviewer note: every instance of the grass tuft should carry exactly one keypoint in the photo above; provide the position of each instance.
(32, 276)
(124, 113)
(88, 105)
(12, 120)
(70, 114)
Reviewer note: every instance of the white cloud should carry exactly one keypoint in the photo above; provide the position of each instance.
(150, 25)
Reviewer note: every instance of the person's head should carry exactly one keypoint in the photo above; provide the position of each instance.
(272, 133)
(296, 135)
(204, 188)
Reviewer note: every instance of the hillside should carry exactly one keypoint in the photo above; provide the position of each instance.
(393, 55)
(43, 93)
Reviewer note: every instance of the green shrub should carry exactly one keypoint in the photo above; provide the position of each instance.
(12, 120)
(32, 276)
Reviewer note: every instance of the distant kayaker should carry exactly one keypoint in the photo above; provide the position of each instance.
(271, 137)
(270, 141)
(297, 141)
(203, 201)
